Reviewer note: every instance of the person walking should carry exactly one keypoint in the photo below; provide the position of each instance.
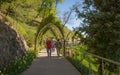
(58, 47)
(48, 47)
(53, 45)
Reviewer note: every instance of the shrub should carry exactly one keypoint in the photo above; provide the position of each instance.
(18, 65)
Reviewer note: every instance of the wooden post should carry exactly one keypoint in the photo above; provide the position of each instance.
(119, 70)
(102, 67)
(89, 67)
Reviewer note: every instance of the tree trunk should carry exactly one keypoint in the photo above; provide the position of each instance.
(35, 47)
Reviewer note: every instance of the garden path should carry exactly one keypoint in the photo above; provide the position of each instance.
(44, 65)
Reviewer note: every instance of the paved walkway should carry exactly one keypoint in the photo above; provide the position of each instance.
(43, 65)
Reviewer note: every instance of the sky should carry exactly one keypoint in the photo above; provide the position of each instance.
(63, 7)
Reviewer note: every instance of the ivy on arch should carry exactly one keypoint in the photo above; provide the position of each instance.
(49, 23)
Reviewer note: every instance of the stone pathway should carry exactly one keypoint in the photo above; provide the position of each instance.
(44, 65)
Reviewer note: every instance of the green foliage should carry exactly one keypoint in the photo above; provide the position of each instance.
(101, 26)
(30, 34)
(81, 68)
(21, 10)
(3, 1)
(32, 13)
(103, 29)
(50, 23)
(47, 7)
(18, 65)
(81, 61)
(27, 31)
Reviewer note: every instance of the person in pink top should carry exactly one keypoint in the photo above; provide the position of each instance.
(48, 47)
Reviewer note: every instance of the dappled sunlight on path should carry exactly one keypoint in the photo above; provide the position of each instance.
(55, 65)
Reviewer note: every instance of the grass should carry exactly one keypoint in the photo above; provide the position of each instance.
(28, 32)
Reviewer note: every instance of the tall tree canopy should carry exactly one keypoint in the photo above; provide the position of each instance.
(21, 10)
(101, 25)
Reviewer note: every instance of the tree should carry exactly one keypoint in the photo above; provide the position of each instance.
(21, 10)
(47, 12)
(101, 19)
(3, 1)
(65, 21)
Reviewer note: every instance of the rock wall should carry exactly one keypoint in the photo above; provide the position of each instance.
(12, 44)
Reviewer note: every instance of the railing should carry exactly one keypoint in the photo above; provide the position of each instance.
(103, 60)
(101, 66)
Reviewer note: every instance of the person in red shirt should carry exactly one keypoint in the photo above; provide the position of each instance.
(48, 47)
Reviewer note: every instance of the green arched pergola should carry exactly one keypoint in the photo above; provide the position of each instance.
(49, 23)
